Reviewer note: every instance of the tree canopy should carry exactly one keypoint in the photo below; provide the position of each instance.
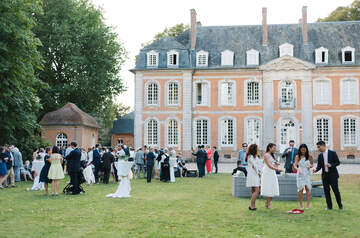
(18, 60)
(82, 57)
(348, 13)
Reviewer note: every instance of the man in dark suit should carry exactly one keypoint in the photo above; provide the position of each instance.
(73, 167)
(107, 159)
(200, 160)
(290, 154)
(96, 162)
(327, 162)
(150, 158)
(216, 159)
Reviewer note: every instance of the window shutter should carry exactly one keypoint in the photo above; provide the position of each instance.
(224, 94)
(205, 93)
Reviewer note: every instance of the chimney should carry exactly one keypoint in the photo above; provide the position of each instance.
(264, 25)
(304, 25)
(193, 25)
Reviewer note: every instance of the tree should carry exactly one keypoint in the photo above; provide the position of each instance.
(170, 32)
(19, 58)
(349, 13)
(112, 112)
(82, 57)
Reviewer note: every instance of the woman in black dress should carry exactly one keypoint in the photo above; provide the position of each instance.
(45, 170)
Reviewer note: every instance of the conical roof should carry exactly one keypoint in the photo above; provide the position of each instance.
(68, 115)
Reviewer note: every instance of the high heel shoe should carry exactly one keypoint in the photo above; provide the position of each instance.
(252, 209)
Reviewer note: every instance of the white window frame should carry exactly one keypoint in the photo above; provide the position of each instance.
(207, 91)
(168, 93)
(246, 130)
(167, 139)
(170, 54)
(227, 58)
(199, 58)
(149, 60)
(281, 85)
(355, 93)
(61, 141)
(208, 133)
(252, 57)
(357, 132)
(352, 50)
(146, 132)
(221, 133)
(246, 82)
(286, 49)
(147, 84)
(317, 98)
(220, 93)
(329, 143)
(318, 55)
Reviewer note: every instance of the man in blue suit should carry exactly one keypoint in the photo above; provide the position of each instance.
(201, 157)
(150, 158)
(96, 162)
(73, 166)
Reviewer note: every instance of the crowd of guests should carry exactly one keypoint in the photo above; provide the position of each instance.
(12, 168)
(261, 171)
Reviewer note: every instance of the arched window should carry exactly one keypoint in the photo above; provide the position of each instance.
(253, 128)
(173, 133)
(202, 58)
(287, 99)
(61, 140)
(152, 92)
(152, 59)
(349, 131)
(201, 128)
(152, 132)
(227, 132)
(173, 93)
(349, 91)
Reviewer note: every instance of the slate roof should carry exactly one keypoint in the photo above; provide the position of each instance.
(332, 35)
(124, 125)
(68, 115)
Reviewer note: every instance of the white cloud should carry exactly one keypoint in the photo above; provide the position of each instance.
(137, 21)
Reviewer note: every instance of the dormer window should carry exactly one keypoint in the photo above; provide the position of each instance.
(202, 59)
(321, 55)
(173, 58)
(348, 55)
(152, 59)
(252, 57)
(227, 58)
(286, 49)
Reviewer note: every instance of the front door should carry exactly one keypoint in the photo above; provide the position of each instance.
(287, 133)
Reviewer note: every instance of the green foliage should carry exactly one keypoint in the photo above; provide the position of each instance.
(112, 112)
(82, 57)
(19, 58)
(349, 13)
(190, 207)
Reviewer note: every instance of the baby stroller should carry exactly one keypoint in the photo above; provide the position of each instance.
(69, 187)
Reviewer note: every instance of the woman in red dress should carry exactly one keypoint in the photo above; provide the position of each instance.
(208, 161)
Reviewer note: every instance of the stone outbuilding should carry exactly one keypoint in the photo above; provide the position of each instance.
(122, 132)
(68, 124)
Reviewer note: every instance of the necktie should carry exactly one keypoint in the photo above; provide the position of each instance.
(325, 162)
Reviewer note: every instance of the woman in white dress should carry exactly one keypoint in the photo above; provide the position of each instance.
(269, 181)
(172, 162)
(303, 164)
(254, 173)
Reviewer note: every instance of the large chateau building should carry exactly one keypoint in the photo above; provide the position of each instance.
(225, 85)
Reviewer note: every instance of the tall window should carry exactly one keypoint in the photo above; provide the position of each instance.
(349, 91)
(321, 55)
(349, 133)
(227, 58)
(227, 132)
(348, 55)
(152, 94)
(152, 59)
(322, 92)
(287, 99)
(253, 93)
(227, 93)
(252, 57)
(173, 58)
(253, 131)
(202, 93)
(202, 58)
(173, 133)
(152, 132)
(61, 140)
(322, 130)
(201, 130)
(173, 93)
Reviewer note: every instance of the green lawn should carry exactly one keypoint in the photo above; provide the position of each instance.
(191, 207)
